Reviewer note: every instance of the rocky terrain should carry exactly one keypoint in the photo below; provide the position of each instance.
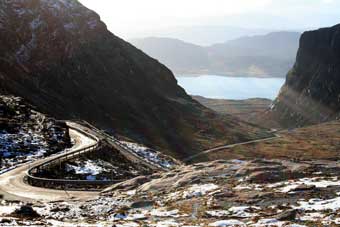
(270, 55)
(109, 164)
(246, 110)
(60, 56)
(26, 134)
(257, 193)
(311, 92)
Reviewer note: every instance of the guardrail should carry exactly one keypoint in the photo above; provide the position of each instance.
(126, 151)
(64, 183)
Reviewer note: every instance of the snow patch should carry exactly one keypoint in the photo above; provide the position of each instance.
(224, 223)
(149, 154)
(199, 190)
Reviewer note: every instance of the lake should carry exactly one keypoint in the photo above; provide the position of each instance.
(220, 87)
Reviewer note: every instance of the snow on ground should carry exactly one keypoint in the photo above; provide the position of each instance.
(88, 167)
(243, 211)
(218, 213)
(150, 155)
(13, 148)
(318, 182)
(319, 204)
(224, 223)
(194, 191)
(269, 222)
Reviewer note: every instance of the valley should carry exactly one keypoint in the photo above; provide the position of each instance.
(247, 56)
(245, 110)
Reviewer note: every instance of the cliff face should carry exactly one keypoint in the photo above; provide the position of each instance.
(59, 56)
(311, 93)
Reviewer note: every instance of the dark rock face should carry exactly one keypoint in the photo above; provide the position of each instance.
(311, 93)
(59, 55)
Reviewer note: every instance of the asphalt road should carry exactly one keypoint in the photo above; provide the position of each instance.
(13, 187)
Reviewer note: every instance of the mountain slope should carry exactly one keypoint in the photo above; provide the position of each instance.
(59, 56)
(311, 93)
(264, 55)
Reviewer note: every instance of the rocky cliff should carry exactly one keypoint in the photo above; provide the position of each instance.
(60, 56)
(311, 93)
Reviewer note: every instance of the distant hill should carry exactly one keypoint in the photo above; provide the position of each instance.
(270, 55)
(202, 35)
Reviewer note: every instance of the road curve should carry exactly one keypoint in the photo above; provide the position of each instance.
(12, 182)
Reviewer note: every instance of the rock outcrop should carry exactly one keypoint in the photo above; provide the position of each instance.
(60, 56)
(311, 93)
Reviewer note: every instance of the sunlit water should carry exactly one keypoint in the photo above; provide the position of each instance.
(211, 86)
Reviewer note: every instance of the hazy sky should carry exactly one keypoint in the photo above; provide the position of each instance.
(125, 17)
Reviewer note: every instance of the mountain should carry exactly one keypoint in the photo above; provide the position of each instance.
(202, 35)
(261, 56)
(266, 55)
(59, 56)
(311, 93)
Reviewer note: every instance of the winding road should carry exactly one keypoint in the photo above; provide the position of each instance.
(12, 183)
(229, 146)
(13, 187)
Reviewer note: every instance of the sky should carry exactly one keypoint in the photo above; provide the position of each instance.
(129, 17)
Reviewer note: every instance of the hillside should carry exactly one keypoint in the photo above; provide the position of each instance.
(243, 109)
(60, 56)
(311, 92)
(307, 143)
(270, 55)
(27, 135)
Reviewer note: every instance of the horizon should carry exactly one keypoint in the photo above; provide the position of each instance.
(261, 16)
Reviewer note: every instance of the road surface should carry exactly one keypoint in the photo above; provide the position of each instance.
(13, 187)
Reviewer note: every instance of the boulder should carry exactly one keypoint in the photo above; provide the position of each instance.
(26, 211)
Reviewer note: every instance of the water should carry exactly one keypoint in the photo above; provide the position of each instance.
(219, 87)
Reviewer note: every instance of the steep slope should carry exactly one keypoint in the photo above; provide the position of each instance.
(264, 55)
(61, 57)
(311, 93)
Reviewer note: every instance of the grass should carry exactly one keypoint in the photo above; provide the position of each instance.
(313, 142)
